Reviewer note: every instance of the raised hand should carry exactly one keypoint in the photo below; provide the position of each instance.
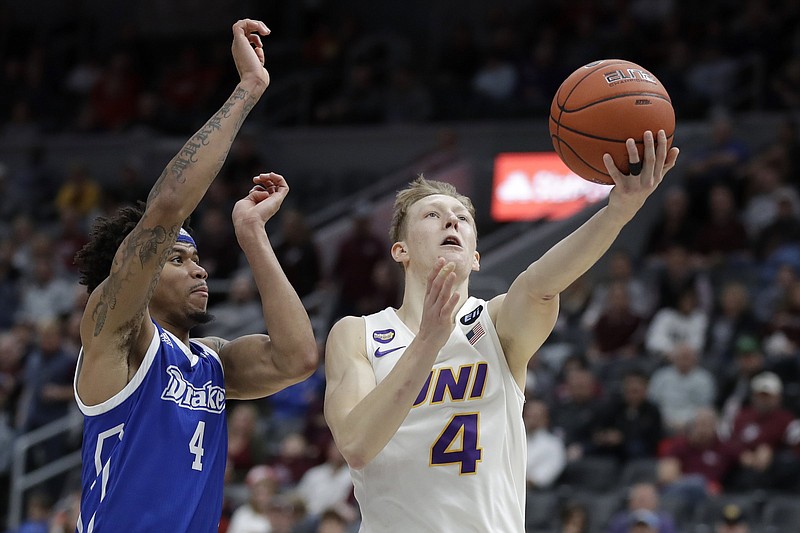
(248, 51)
(263, 200)
(440, 302)
(631, 190)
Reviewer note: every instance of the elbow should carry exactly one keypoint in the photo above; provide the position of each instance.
(305, 363)
(168, 204)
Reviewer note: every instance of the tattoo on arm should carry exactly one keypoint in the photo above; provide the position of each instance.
(190, 151)
(142, 245)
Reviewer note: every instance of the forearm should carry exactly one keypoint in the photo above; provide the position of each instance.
(285, 317)
(575, 254)
(189, 174)
(372, 423)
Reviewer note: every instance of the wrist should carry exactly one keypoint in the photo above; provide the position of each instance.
(254, 85)
(248, 228)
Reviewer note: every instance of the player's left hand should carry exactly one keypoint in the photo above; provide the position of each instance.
(263, 200)
(631, 190)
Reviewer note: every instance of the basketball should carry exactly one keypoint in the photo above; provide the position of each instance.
(598, 107)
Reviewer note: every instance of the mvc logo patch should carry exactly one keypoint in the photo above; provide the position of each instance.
(472, 316)
(383, 336)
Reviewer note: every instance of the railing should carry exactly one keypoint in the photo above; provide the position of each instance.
(22, 481)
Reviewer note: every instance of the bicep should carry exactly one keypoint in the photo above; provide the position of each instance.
(119, 304)
(523, 322)
(250, 369)
(348, 374)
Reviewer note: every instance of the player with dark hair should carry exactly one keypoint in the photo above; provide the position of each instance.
(153, 400)
(425, 401)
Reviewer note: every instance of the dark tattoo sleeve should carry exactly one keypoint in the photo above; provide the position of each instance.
(138, 249)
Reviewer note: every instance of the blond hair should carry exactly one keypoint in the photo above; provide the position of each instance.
(417, 190)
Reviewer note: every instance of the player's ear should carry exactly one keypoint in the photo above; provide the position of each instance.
(476, 262)
(399, 252)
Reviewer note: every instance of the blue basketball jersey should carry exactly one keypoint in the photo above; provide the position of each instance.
(154, 454)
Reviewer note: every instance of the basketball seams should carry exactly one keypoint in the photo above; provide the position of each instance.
(599, 138)
(614, 97)
(587, 164)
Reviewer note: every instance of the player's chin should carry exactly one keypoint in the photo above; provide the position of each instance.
(200, 317)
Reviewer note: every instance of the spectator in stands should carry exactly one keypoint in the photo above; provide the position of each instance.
(733, 384)
(215, 234)
(773, 291)
(455, 65)
(295, 456)
(327, 485)
(732, 520)
(79, 191)
(620, 269)
(785, 85)
(717, 163)
(629, 426)
(358, 254)
(37, 512)
(333, 521)
(765, 434)
(574, 413)
(681, 388)
(291, 407)
(764, 190)
(240, 313)
(245, 440)
(695, 466)
(643, 521)
(252, 517)
(113, 99)
(359, 101)
(540, 380)
(686, 323)
(546, 452)
(782, 230)
(14, 197)
(64, 518)
(673, 226)
(298, 253)
(494, 85)
(783, 327)
(732, 318)
(722, 236)
(617, 334)
(9, 285)
(245, 159)
(679, 272)
(574, 518)
(47, 381)
(643, 506)
(45, 296)
(12, 354)
(285, 513)
(407, 99)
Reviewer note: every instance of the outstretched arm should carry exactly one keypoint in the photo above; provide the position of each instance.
(259, 365)
(364, 416)
(525, 315)
(116, 326)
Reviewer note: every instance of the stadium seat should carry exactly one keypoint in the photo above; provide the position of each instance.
(597, 474)
(639, 471)
(781, 513)
(541, 511)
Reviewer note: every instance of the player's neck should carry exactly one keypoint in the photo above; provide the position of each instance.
(410, 312)
(181, 334)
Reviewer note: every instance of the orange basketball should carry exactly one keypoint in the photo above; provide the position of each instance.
(600, 106)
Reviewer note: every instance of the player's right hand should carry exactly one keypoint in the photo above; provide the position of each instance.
(440, 302)
(248, 51)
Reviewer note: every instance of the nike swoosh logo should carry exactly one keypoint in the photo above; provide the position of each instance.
(379, 353)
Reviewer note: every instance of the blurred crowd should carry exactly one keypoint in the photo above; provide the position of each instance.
(332, 67)
(673, 375)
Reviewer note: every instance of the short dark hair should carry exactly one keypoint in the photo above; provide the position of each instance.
(95, 258)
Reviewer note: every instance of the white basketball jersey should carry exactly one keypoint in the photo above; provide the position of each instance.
(457, 463)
